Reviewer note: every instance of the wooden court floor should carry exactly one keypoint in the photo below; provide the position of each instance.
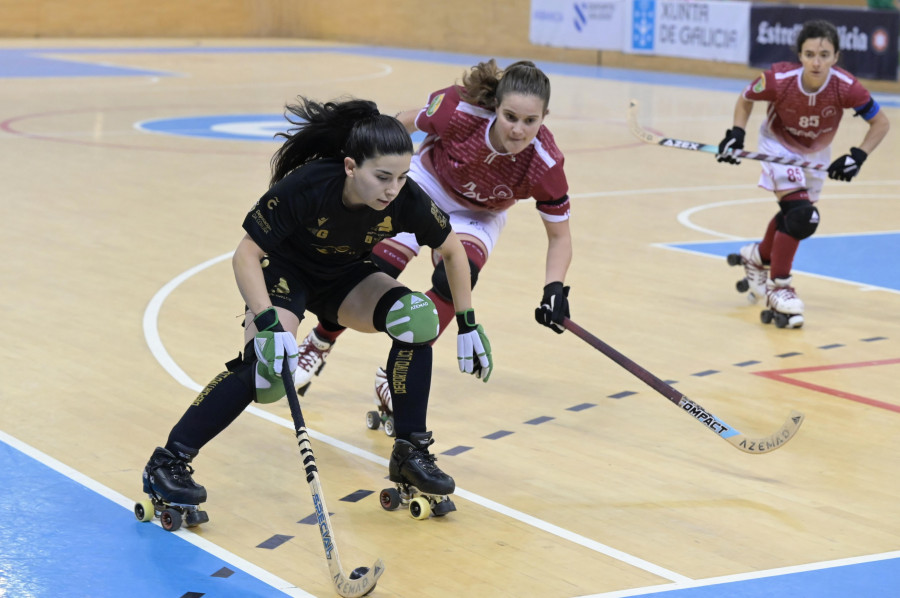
(574, 478)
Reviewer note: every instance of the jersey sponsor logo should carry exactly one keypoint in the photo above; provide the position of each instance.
(322, 221)
(261, 222)
(434, 105)
(439, 216)
(680, 143)
(760, 84)
(272, 203)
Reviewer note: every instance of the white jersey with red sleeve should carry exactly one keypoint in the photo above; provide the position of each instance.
(805, 122)
(457, 150)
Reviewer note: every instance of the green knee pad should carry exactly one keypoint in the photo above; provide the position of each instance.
(413, 319)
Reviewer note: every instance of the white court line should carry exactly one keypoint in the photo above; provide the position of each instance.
(155, 344)
(748, 576)
(218, 552)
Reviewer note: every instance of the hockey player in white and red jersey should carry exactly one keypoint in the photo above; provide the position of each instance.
(486, 148)
(806, 101)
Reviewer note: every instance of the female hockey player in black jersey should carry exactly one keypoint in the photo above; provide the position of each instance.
(339, 186)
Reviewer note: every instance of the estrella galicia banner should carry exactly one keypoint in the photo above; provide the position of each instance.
(868, 37)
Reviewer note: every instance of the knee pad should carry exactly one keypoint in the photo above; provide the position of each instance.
(798, 218)
(247, 370)
(441, 285)
(407, 316)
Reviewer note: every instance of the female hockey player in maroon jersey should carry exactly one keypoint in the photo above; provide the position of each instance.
(339, 185)
(806, 101)
(486, 148)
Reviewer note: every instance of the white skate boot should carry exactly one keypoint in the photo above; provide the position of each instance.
(385, 413)
(311, 360)
(756, 273)
(782, 304)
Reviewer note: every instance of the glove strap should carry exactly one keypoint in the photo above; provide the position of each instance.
(267, 321)
(466, 320)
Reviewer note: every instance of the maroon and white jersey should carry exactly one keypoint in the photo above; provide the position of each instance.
(805, 122)
(458, 152)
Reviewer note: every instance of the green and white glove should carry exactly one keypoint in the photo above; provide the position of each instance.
(272, 343)
(473, 349)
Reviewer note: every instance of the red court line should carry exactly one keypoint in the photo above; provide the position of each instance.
(782, 376)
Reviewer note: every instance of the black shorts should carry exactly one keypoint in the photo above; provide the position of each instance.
(298, 291)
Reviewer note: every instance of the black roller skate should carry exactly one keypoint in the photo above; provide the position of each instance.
(755, 272)
(174, 496)
(385, 413)
(421, 485)
(783, 306)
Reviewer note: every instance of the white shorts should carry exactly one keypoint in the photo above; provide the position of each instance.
(481, 224)
(782, 177)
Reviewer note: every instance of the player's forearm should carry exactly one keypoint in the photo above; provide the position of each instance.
(742, 110)
(559, 251)
(878, 130)
(408, 118)
(458, 274)
(249, 276)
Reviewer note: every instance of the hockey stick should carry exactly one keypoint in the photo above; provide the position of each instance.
(744, 443)
(361, 580)
(695, 146)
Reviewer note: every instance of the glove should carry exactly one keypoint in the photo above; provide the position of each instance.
(272, 343)
(473, 349)
(554, 307)
(734, 140)
(847, 166)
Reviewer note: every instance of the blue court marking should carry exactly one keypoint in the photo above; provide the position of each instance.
(868, 260)
(860, 580)
(59, 538)
(33, 63)
(239, 127)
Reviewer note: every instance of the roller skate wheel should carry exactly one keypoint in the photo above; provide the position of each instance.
(373, 421)
(419, 508)
(733, 259)
(742, 285)
(766, 315)
(781, 320)
(389, 499)
(389, 426)
(170, 519)
(144, 510)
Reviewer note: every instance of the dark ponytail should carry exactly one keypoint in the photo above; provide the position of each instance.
(338, 129)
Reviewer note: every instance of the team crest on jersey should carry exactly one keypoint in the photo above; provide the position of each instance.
(434, 105)
(760, 84)
(438, 215)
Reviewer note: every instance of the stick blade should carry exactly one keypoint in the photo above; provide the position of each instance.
(360, 586)
(636, 129)
(758, 446)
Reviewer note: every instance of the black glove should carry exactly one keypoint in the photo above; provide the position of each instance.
(847, 166)
(554, 307)
(734, 140)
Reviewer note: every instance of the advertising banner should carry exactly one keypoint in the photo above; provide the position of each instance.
(701, 30)
(868, 37)
(592, 25)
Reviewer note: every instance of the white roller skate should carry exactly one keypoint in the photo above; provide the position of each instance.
(420, 484)
(782, 304)
(311, 360)
(756, 273)
(385, 413)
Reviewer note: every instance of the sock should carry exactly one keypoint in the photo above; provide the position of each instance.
(217, 405)
(784, 248)
(765, 246)
(327, 335)
(409, 375)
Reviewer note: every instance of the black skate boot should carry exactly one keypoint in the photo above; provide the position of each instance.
(174, 495)
(414, 471)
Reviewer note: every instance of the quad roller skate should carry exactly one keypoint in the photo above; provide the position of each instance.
(782, 304)
(311, 360)
(174, 497)
(420, 485)
(755, 272)
(385, 413)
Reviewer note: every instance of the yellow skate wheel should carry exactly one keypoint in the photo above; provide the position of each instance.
(419, 508)
(144, 510)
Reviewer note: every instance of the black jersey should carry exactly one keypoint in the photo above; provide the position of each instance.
(303, 221)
